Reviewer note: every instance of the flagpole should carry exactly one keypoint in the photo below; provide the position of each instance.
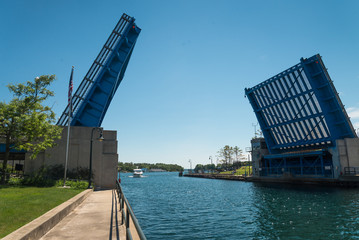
(69, 121)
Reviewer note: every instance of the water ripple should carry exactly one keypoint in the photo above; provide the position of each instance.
(170, 207)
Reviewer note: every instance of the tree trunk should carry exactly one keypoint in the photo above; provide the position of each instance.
(6, 158)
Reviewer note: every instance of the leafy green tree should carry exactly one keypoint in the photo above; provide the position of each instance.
(209, 167)
(219, 167)
(25, 123)
(199, 167)
(226, 153)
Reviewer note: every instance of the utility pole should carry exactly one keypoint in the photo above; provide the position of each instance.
(255, 129)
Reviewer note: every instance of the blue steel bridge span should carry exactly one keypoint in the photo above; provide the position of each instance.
(93, 96)
(301, 117)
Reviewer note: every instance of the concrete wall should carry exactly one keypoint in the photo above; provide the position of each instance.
(348, 153)
(104, 155)
(258, 151)
(336, 162)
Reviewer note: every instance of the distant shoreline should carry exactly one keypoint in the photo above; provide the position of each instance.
(148, 171)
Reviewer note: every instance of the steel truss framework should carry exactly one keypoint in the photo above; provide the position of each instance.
(93, 96)
(300, 109)
(311, 164)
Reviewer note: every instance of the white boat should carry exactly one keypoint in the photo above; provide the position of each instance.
(137, 172)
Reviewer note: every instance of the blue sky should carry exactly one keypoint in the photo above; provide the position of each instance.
(182, 96)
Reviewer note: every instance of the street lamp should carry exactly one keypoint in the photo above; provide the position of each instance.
(100, 138)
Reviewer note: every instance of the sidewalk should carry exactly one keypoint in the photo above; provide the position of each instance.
(97, 217)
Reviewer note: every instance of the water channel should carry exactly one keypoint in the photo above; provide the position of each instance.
(172, 207)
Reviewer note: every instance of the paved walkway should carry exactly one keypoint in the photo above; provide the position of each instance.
(97, 217)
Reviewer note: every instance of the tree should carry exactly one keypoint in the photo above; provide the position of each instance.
(199, 167)
(204, 168)
(210, 167)
(25, 123)
(226, 152)
(128, 167)
(237, 151)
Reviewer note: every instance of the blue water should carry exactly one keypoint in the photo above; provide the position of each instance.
(172, 207)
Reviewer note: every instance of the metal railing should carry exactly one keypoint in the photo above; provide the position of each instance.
(298, 171)
(351, 170)
(128, 216)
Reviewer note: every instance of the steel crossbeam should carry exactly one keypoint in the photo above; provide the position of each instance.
(299, 108)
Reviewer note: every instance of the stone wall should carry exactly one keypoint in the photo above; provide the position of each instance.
(104, 155)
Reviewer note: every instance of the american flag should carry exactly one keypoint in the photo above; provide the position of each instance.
(71, 86)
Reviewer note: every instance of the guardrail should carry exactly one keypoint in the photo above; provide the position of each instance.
(128, 217)
(351, 170)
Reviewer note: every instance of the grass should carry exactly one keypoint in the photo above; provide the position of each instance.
(21, 205)
(240, 171)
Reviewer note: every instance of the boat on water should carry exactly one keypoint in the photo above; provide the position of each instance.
(137, 172)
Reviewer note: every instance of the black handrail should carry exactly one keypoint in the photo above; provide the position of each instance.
(351, 170)
(127, 213)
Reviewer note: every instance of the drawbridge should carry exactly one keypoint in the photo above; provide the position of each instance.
(93, 96)
(301, 116)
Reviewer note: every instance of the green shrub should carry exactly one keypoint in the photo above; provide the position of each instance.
(72, 184)
(79, 184)
(46, 176)
(13, 181)
(41, 178)
(57, 172)
(59, 183)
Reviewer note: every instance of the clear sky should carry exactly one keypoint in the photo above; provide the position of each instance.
(182, 96)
